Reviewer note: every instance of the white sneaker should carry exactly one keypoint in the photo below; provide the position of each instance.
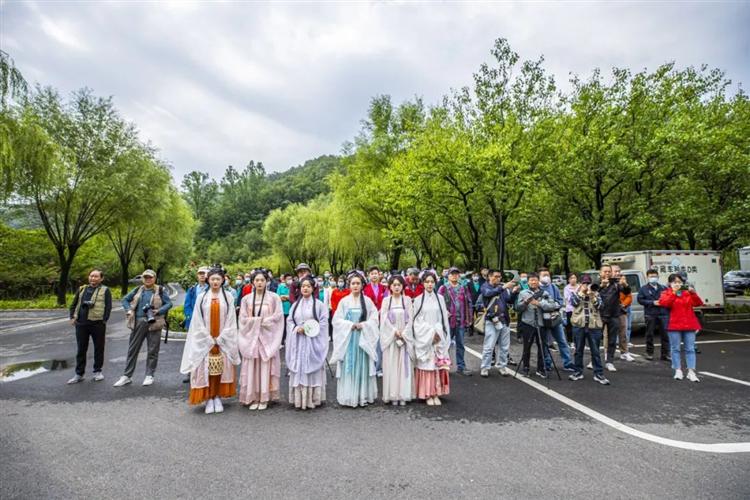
(210, 406)
(218, 407)
(263, 406)
(691, 376)
(122, 381)
(590, 366)
(678, 374)
(76, 378)
(628, 357)
(504, 371)
(610, 367)
(253, 406)
(98, 376)
(484, 372)
(148, 380)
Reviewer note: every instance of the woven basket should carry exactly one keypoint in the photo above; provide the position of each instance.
(215, 364)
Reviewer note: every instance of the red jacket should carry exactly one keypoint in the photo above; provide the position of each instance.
(370, 293)
(681, 315)
(336, 296)
(413, 294)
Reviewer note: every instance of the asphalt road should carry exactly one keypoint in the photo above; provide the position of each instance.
(492, 438)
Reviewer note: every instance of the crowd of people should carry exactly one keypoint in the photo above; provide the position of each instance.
(407, 328)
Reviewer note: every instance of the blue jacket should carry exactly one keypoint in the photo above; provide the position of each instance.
(146, 300)
(554, 293)
(189, 303)
(500, 308)
(647, 295)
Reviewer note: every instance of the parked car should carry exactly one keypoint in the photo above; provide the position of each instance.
(736, 282)
(136, 281)
(559, 280)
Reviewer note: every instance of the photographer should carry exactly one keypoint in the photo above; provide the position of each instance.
(532, 304)
(146, 307)
(496, 298)
(89, 312)
(656, 316)
(587, 328)
(554, 327)
(680, 298)
(610, 290)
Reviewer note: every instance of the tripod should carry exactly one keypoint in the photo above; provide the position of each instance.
(543, 349)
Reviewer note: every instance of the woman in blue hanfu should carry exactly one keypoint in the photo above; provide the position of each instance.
(355, 340)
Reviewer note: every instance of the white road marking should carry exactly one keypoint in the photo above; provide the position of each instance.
(723, 377)
(685, 445)
(33, 325)
(702, 342)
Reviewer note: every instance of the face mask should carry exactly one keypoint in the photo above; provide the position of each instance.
(340, 284)
(247, 280)
(545, 280)
(653, 280)
(327, 276)
(288, 282)
(524, 280)
(475, 279)
(237, 282)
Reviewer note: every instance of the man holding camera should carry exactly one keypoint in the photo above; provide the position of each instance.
(532, 304)
(609, 291)
(495, 298)
(146, 307)
(89, 312)
(656, 316)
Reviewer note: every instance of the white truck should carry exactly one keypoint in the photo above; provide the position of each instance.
(744, 258)
(703, 269)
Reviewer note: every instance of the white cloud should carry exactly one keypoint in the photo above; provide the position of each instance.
(213, 84)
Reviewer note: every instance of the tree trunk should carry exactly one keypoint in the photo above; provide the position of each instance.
(566, 261)
(124, 275)
(66, 262)
(398, 248)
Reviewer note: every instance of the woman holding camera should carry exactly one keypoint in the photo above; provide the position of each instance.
(680, 299)
(211, 351)
(587, 328)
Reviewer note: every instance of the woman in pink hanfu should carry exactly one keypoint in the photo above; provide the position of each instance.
(261, 331)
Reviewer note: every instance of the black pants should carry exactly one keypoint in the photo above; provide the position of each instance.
(96, 331)
(613, 331)
(530, 336)
(652, 323)
(569, 328)
(283, 338)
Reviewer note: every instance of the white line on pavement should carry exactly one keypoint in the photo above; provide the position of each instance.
(723, 377)
(685, 445)
(33, 325)
(702, 342)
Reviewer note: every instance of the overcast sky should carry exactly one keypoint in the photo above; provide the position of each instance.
(213, 84)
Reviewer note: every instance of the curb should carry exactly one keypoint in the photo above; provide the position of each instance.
(724, 317)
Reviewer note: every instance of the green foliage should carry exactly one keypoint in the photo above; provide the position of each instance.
(28, 264)
(176, 316)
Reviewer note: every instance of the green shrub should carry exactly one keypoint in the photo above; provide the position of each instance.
(737, 308)
(49, 301)
(176, 317)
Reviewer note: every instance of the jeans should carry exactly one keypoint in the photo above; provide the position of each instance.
(531, 336)
(629, 328)
(675, 339)
(495, 334)
(593, 338)
(137, 336)
(96, 332)
(457, 335)
(613, 331)
(652, 323)
(558, 334)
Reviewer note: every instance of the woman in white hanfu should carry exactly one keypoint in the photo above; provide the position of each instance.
(397, 343)
(431, 342)
(261, 332)
(213, 331)
(355, 340)
(306, 348)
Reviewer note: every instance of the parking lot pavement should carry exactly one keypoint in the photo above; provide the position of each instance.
(11, 320)
(494, 437)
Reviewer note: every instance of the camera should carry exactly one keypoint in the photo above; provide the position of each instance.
(594, 287)
(88, 303)
(150, 318)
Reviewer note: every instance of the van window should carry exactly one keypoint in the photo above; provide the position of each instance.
(634, 282)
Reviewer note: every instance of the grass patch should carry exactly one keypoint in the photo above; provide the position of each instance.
(48, 301)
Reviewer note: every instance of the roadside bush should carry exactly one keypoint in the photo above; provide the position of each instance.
(176, 317)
